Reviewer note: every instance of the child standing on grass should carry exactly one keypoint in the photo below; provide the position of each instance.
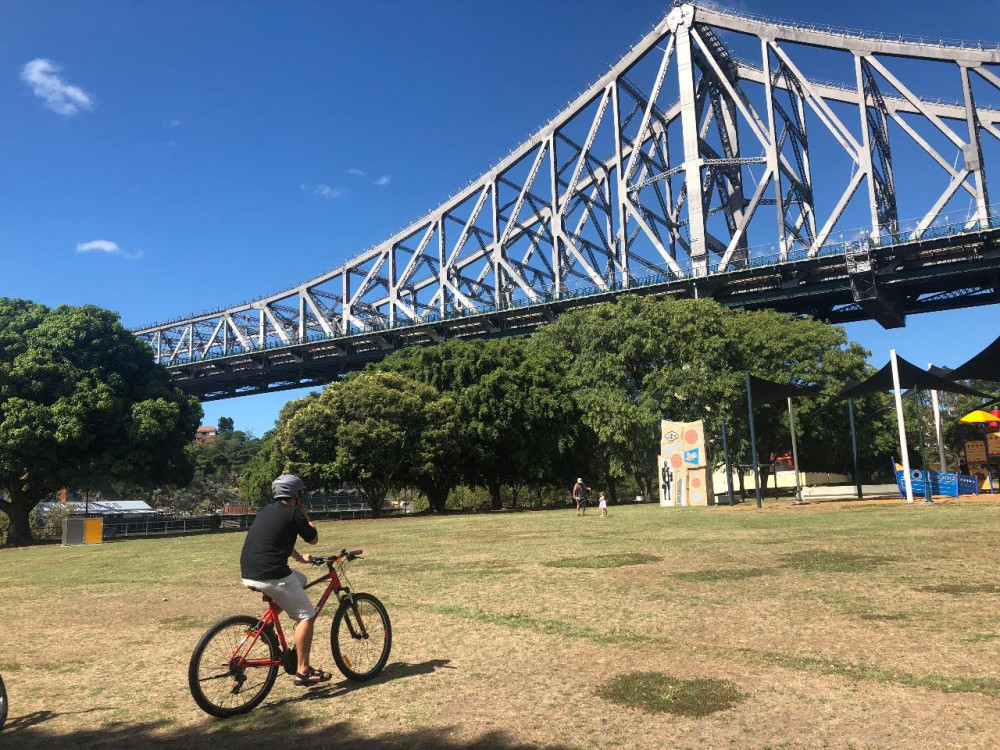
(602, 503)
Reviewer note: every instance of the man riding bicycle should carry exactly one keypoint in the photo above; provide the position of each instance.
(264, 566)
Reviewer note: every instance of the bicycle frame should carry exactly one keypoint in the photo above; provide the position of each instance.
(271, 617)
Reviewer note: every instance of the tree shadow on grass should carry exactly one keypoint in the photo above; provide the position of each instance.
(395, 671)
(271, 730)
(40, 717)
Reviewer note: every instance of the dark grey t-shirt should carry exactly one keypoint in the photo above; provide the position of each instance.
(270, 541)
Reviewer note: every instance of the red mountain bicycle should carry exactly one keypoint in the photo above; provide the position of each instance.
(236, 663)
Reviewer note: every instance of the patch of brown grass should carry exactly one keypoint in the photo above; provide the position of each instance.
(493, 647)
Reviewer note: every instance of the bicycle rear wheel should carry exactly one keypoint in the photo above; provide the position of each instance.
(3, 703)
(361, 637)
(221, 682)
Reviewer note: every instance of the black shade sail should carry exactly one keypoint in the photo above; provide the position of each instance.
(910, 376)
(984, 366)
(766, 391)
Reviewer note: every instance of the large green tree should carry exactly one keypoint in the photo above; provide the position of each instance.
(370, 431)
(517, 412)
(81, 401)
(634, 362)
(639, 360)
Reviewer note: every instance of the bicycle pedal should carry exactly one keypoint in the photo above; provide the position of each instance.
(290, 660)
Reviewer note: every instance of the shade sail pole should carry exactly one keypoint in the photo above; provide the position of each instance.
(937, 425)
(795, 454)
(753, 443)
(729, 471)
(923, 449)
(965, 449)
(904, 451)
(854, 448)
(986, 449)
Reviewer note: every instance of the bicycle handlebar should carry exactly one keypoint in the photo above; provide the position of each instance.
(333, 559)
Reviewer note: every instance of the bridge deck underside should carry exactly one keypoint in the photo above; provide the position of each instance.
(920, 277)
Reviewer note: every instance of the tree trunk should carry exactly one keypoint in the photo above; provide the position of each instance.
(18, 511)
(375, 494)
(437, 497)
(495, 501)
(515, 491)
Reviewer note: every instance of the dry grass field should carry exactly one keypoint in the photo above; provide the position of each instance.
(833, 625)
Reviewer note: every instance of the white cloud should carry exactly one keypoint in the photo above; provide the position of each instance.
(325, 191)
(383, 180)
(173, 123)
(106, 247)
(356, 171)
(43, 77)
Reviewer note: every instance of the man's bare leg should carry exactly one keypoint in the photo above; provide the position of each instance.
(303, 643)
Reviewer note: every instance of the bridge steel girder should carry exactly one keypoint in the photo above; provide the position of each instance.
(643, 184)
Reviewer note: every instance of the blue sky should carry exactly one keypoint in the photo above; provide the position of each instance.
(160, 159)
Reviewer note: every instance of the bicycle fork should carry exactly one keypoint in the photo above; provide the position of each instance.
(358, 632)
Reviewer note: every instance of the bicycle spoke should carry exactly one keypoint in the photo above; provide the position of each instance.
(232, 671)
(361, 638)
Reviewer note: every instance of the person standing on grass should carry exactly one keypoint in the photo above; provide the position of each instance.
(580, 491)
(264, 566)
(602, 503)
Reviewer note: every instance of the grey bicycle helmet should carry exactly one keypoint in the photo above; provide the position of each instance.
(287, 485)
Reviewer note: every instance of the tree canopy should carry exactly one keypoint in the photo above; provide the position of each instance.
(374, 431)
(81, 402)
(636, 361)
(517, 413)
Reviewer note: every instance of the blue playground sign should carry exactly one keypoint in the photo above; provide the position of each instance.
(948, 483)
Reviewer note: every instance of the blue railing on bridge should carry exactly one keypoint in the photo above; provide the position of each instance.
(751, 262)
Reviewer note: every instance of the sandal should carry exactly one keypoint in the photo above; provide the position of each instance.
(312, 677)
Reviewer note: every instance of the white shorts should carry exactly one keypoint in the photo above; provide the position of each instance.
(288, 594)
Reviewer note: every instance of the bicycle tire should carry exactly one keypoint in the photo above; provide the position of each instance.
(3, 703)
(361, 657)
(210, 667)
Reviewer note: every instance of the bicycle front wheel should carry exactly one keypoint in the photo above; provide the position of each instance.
(361, 637)
(3, 703)
(230, 672)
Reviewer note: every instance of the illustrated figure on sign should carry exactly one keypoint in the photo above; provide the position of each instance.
(667, 481)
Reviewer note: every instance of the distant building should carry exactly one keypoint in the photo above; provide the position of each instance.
(123, 509)
(205, 434)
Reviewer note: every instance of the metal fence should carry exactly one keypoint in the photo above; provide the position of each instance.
(321, 507)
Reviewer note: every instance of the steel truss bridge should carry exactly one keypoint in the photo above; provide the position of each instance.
(715, 159)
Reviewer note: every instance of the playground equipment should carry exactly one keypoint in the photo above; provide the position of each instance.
(947, 483)
(981, 453)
